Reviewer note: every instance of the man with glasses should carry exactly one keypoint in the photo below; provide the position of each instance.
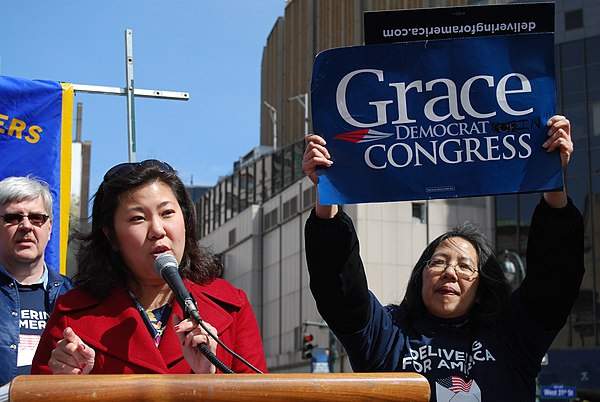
(28, 286)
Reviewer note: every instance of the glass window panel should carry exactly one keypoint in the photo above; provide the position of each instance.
(582, 313)
(578, 165)
(277, 171)
(577, 188)
(595, 118)
(576, 115)
(594, 113)
(506, 208)
(226, 200)
(287, 166)
(506, 221)
(571, 54)
(573, 80)
(574, 19)
(258, 181)
(588, 294)
(268, 177)
(298, 155)
(572, 98)
(593, 75)
(235, 193)
(527, 203)
(595, 160)
(592, 52)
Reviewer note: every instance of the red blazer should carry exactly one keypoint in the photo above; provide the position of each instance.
(114, 328)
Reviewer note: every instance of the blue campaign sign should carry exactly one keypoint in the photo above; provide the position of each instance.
(436, 119)
(558, 392)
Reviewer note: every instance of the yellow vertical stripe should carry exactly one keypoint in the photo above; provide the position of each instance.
(66, 137)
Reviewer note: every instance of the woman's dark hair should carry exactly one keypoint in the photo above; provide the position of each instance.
(493, 290)
(100, 266)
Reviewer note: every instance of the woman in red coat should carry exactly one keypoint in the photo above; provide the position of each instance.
(123, 317)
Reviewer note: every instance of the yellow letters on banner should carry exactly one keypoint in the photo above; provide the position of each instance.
(17, 127)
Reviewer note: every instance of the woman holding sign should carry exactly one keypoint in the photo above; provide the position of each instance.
(458, 324)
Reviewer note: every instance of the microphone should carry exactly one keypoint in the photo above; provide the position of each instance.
(166, 265)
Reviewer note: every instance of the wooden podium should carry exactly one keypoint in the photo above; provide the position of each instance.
(350, 387)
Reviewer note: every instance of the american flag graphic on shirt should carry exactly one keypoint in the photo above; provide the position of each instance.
(455, 384)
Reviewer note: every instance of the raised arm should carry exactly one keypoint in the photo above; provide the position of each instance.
(559, 137)
(337, 278)
(555, 245)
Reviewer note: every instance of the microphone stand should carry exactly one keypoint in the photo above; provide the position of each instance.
(191, 310)
(166, 265)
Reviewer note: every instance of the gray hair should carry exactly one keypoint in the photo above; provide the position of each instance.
(18, 188)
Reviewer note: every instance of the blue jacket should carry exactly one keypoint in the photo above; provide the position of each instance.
(10, 315)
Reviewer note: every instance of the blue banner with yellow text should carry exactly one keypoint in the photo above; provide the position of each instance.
(436, 119)
(35, 139)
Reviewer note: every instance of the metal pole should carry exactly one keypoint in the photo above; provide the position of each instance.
(273, 113)
(142, 93)
(305, 114)
(303, 100)
(129, 92)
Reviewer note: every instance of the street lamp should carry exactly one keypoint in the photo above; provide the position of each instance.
(303, 100)
(509, 268)
(273, 113)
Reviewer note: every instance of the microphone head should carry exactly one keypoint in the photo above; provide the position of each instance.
(163, 262)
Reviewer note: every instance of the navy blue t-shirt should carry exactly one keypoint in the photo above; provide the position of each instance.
(32, 321)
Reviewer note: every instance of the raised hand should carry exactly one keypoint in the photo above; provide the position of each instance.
(315, 155)
(559, 136)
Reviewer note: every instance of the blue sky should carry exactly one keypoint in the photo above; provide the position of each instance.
(211, 49)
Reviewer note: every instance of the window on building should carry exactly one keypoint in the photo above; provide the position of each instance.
(308, 198)
(574, 19)
(232, 237)
(571, 54)
(270, 219)
(290, 208)
(592, 55)
(419, 211)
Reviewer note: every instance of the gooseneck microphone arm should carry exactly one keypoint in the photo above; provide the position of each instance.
(166, 266)
(191, 309)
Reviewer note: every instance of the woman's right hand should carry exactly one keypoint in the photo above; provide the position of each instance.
(190, 336)
(315, 155)
(71, 355)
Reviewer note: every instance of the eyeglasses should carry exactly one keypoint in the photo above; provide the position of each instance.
(35, 219)
(123, 168)
(463, 270)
